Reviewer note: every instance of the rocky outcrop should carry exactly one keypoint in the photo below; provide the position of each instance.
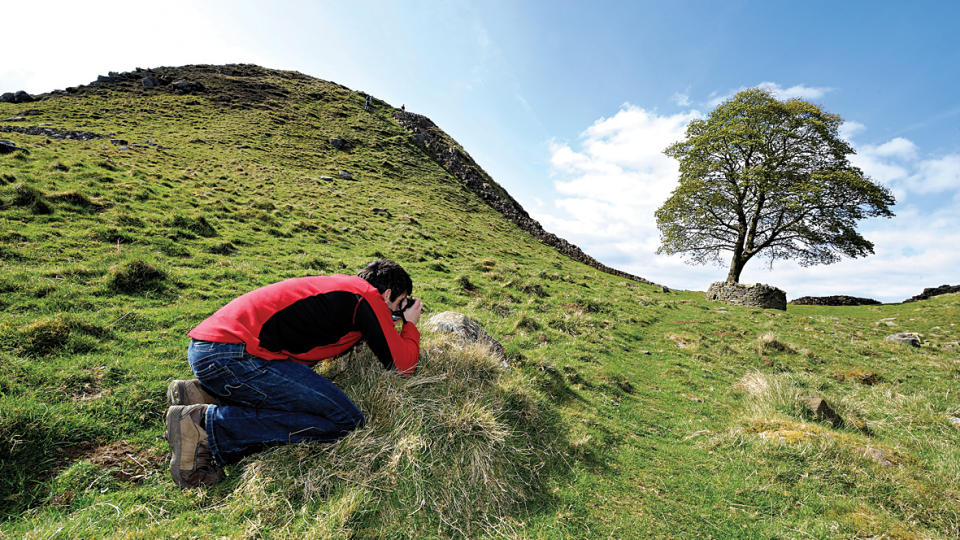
(16, 97)
(466, 330)
(930, 292)
(53, 133)
(449, 155)
(758, 295)
(836, 300)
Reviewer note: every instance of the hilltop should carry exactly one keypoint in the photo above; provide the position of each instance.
(129, 212)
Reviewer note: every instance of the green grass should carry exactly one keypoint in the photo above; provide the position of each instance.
(658, 414)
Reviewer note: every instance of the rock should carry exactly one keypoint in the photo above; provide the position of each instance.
(57, 166)
(14, 119)
(759, 295)
(381, 211)
(340, 144)
(954, 420)
(8, 146)
(820, 410)
(837, 300)
(908, 338)
(877, 455)
(465, 329)
(119, 142)
(183, 86)
(345, 175)
(326, 178)
(16, 97)
(930, 292)
(149, 81)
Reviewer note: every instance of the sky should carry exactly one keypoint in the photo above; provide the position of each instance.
(569, 105)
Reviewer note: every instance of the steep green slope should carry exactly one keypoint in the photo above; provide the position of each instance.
(634, 412)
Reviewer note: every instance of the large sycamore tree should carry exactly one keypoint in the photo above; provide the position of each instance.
(763, 176)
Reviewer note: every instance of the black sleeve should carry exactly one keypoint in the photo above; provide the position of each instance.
(373, 332)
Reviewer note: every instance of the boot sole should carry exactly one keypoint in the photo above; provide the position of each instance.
(173, 437)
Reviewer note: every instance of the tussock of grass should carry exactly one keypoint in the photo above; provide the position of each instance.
(136, 276)
(769, 343)
(449, 450)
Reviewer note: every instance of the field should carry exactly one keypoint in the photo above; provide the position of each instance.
(628, 411)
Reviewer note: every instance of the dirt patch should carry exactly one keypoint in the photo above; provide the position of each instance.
(123, 460)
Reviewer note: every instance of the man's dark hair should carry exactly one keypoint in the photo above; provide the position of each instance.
(385, 274)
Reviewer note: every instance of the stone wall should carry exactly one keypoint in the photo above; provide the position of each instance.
(836, 300)
(759, 295)
(930, 292)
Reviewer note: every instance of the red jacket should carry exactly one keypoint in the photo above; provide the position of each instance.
(312, 318)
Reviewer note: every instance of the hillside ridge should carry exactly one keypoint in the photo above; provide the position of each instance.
(234, 79)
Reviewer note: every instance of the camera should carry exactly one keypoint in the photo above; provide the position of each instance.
(405, 305)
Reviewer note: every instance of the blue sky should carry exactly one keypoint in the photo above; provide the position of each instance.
(569, 104)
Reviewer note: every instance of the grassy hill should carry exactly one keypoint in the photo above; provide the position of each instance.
(629, 410)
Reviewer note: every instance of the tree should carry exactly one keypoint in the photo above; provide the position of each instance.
(760, 175)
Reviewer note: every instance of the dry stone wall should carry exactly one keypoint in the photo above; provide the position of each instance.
(759, 295)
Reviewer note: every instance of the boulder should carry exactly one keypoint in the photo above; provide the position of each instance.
(16, 97)
(149, 81)
(340, 144)
(183, 86)
(466, 330)
(820, 410)
(7, 146)
(759, 295)
(908, 338)
(345, 175)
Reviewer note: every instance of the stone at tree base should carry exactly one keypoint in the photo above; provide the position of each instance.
(908, 338)
(820, 410)
(466, 329)
(759, 295)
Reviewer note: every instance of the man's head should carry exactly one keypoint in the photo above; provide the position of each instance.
(385, 275)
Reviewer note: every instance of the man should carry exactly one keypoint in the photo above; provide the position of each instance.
(253, 357)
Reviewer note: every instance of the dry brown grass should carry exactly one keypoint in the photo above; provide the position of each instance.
(450, 450)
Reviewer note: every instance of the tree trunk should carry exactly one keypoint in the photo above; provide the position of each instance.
(736, 266)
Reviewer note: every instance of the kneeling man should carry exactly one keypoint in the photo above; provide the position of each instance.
(253, 361)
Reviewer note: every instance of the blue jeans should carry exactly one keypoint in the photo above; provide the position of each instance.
(266, 402)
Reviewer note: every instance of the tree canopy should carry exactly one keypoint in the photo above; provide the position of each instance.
(760, 175)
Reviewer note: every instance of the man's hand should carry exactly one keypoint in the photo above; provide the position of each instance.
(412, 313)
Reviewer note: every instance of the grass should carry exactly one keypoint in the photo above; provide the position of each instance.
(626, 412)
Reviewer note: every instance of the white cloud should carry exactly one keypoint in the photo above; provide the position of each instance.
(611, 182)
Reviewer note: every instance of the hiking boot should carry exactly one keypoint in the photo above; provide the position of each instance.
(191, 464)
(189, 393)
